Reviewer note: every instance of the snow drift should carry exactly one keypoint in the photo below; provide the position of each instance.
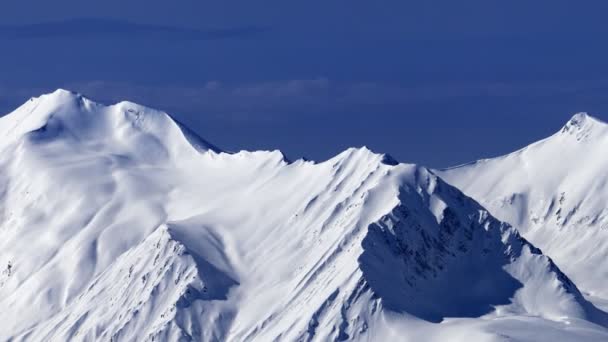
(117, 223)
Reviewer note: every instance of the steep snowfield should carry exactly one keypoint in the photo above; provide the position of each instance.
(554, 192)
(116, 223)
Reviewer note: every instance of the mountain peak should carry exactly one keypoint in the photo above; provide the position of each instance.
(61, 95)
(68, 115)
(579, 117)
(113, 227)
(365, 153)
(580, 121)
(63, 92)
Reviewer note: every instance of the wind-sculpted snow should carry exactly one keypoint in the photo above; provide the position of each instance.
(119, 224)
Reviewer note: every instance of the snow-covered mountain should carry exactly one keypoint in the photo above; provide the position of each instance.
(555, 192)
(117, 223)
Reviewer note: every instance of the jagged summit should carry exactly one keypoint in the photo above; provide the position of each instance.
(581, 121)
(578, 118)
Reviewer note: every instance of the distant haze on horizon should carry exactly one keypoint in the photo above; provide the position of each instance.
(438, 83)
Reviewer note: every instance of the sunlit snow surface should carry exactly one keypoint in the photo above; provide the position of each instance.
(116, 223)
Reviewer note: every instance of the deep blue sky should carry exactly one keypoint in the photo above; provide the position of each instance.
(434, 82)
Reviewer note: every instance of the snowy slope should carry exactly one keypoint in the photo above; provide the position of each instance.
(116, 223)
(555, 192)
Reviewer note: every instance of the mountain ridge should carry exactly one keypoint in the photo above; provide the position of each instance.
(116, 227)
(578, 121)
(552, 190)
